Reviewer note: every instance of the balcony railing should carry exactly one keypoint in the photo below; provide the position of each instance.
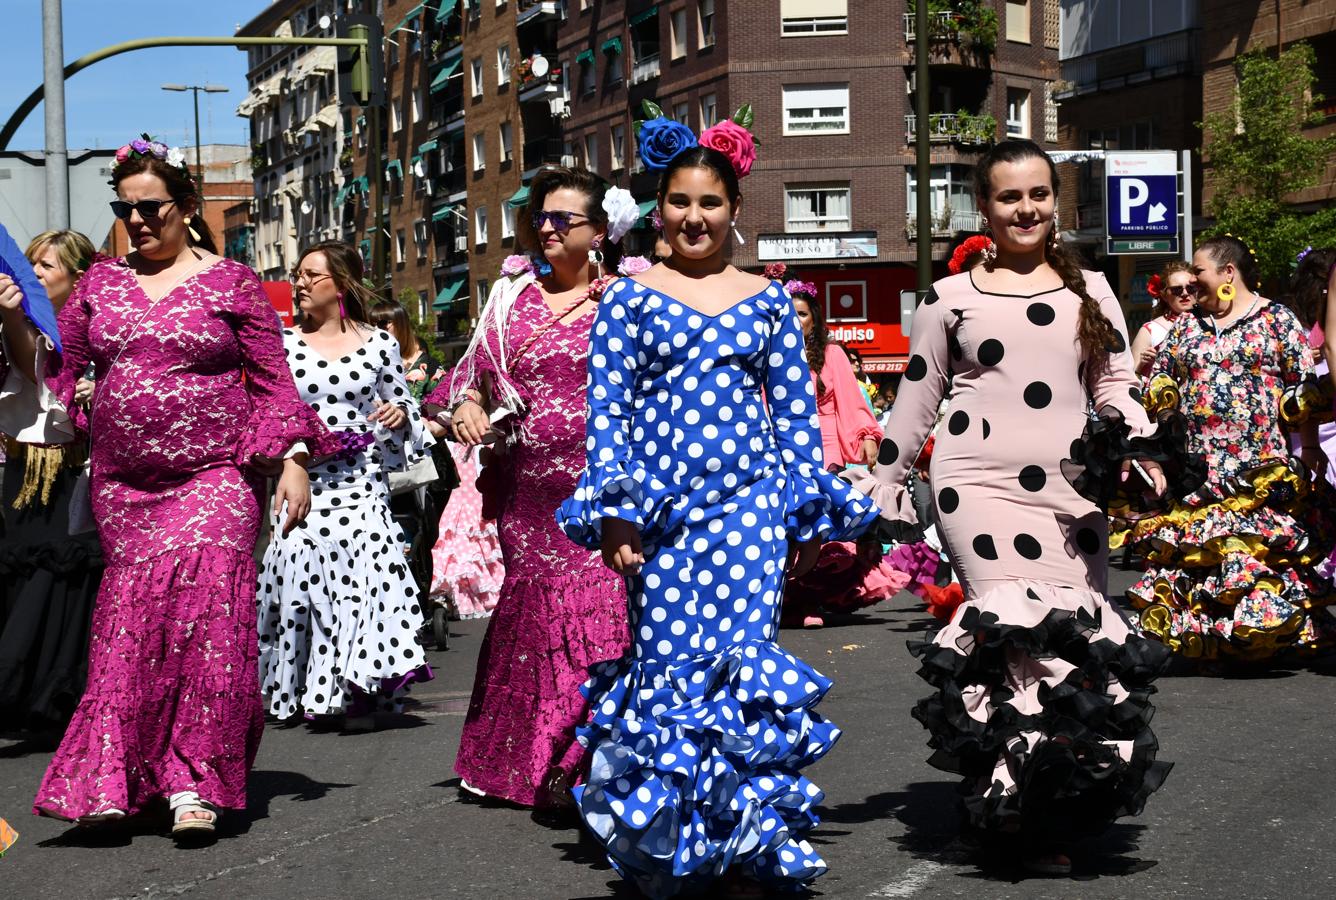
(537, 10)
(942, 26)
(541, 151)
(646, 67)
(947, 222)
(534, 87)
(953, 128)
(1161, 57)
(450, 183)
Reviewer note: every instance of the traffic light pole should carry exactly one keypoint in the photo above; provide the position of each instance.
(83, 62)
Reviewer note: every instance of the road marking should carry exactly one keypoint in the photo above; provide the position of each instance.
(153, 891)
(914, 879)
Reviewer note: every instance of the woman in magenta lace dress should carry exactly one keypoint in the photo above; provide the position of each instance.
(560, 610)
(194, 402)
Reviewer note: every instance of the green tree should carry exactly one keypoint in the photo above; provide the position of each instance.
(1258, 155)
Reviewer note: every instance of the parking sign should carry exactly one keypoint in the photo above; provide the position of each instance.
(1141, 201)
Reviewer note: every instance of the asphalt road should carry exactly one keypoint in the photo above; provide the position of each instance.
(1246, 812)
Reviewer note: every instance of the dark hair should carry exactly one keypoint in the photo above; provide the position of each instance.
(703, 158)
(1162, 304)
(554, 178)
(392, 317)
(1226, 249)
(1096, 333)
(814, 344)
(1308, 287)
(850, 351)
(345, 266)
(180, 187)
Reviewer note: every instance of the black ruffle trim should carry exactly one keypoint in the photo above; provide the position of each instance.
(1094, 468)
(1073, 784)
(886, 531)
(77, 554)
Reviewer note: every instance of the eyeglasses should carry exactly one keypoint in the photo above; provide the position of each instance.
(560, 219)
(148, 209)
(309, 276)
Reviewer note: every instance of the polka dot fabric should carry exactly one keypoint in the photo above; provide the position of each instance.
(338, 607)
(699, 732)
(1036, 631)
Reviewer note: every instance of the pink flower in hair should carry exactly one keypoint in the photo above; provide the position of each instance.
(123, 154)
(735, 142)
(775, 270)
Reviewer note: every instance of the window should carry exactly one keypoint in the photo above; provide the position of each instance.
(424, 309)
(391, 53)
(816, 108)
(618, 160)
(421, 236)
(1018, 112)
(414, 31)
(503, 65)
(591, 151)
(400, 247)
(480, 227)
(483, 290)
(823, 207)
(1018, 21)
(705, 18)
(416, 105)
(952, 191)
(361, 133)
(479, 152)
(682, 112)
(396, 115)
(709, 111)
(507, 221)
(587, 76)
(804, 18)
(507, 133)
(612, 71)
(678, 25)
(475, 70)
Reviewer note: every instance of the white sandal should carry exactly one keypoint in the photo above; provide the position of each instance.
(102, 818)
(187, 802)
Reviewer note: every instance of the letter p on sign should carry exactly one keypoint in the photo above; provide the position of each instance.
(1133, 192)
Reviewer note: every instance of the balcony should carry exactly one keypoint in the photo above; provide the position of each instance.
(959, 38)
(646, 67)
(1116, 67)
(538, 88)
(942, 26)
(947, 222)
(541, 152)
(954, 128)
(539, 11)
(448, 184)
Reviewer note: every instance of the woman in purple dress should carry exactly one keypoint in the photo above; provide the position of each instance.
(194, 404)
(560, 611)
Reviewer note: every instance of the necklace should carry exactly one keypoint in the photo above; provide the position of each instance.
(1215, 319)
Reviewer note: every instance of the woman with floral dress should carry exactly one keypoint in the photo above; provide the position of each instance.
(1230, 569)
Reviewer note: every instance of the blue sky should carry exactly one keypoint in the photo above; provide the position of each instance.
(112, 101)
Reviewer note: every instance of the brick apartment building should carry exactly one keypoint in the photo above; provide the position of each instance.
(1139, 76)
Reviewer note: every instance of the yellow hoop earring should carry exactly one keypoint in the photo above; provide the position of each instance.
(1225, 293)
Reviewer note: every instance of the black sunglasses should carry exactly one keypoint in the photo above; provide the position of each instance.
(1182, 290)
(148, 209)
(560, 219)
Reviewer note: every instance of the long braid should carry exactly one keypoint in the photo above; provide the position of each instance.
(1096, 333)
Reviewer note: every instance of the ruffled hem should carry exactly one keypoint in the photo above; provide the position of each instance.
(270, 434)
(1310, 400)
(619, 490)
(1094, 468)
(897, 522)
(841, 582)
(67, 557)
(818, 505)
(1043, 706)
(695, 767)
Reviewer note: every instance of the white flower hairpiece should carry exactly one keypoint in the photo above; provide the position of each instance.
(622, 212)
(176, 157)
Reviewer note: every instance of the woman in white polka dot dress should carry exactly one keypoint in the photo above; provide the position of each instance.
(696, 491)
(1042, 699)
(338, 608)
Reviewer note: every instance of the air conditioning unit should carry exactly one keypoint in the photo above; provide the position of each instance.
(559, 107)
(568, 160)
(462, 243)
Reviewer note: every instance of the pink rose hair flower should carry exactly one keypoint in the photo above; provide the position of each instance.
(775, 270)
(803, 288)
(735, 142)
(515, 264)
(633, 265)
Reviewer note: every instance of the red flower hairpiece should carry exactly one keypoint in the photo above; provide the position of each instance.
(979, 243)
(1155, 285)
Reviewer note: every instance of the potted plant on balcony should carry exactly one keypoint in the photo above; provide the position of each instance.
(259, 157)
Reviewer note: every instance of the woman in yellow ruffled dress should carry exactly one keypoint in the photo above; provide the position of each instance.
(1231, 568)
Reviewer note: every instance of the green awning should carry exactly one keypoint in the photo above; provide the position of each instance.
(443, 8)
(341, 196)
(403, 23)
(358, 185)
(365, 248)
(427, 147)
(361, 120)
(448, 294)
(645, 209)
(519, 198)
(612, 45)
(443, 213)
(644, 16)
(394, 165)
(585, 56)
(443, 77)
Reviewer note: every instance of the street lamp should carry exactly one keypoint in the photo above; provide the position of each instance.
(196, 88)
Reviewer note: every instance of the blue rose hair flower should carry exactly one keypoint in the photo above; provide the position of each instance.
(661, 139)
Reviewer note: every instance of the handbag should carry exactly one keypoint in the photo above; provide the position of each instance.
(410, 478)
(81, 502)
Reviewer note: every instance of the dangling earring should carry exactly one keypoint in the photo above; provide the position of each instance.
(990, 251)
(343, 313)
(1055, 239)
(1225, 293)
(191, 228)
(596, 259)
(737, 235)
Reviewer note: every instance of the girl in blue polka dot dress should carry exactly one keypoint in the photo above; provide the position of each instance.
(704, 475)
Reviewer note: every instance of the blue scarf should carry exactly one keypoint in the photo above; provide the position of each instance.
(36, 304)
